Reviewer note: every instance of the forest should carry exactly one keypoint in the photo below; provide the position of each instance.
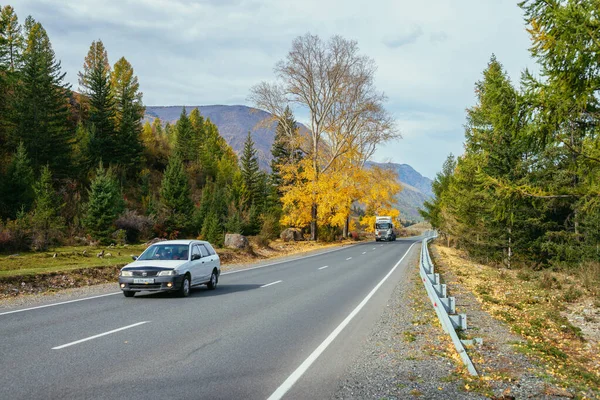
(526, 191)
(81, 166)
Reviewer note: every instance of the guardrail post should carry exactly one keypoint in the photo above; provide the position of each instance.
(459, 321)
(449, 304)
(444, 306)
(440, 289)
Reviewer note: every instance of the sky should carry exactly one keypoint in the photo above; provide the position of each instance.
(429, 53)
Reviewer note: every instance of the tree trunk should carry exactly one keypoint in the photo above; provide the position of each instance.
(313, 222)
(346, 226)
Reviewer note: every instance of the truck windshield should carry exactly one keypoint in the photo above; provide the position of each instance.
(383, 225)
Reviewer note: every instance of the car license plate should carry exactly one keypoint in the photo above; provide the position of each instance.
(143, 280)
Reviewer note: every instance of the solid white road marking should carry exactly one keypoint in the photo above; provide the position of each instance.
(324, 267)
(269, 284)
(99, 335)
(58, 304)
(293, 378)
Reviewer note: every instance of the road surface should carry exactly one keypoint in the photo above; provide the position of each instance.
(286, 330)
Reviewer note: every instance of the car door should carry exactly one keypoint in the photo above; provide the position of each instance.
(206, 264)
(195, 265)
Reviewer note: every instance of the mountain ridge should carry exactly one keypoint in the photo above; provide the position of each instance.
(235, 121)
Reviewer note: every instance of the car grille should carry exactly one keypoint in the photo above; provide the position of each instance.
(142, 286)
(148, 273)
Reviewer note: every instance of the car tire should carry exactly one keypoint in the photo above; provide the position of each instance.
(184, 290)
(128, 293)
(214, 279)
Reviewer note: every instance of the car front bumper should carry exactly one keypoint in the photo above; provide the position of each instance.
(159, 283)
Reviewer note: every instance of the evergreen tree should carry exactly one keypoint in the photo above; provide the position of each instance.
(197, 137)
(211, 229)
(104, 206)
(41, 111)
(11, 39)
(95, 84)
(184, 135)
(129, 111)
(17, 185)
(175, 196)
(285, 146)
(47, 223)
(250, 172)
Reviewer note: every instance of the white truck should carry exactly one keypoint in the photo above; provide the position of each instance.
(384, 229)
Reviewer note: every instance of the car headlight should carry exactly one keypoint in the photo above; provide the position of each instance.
(169, 272)
(126, 273)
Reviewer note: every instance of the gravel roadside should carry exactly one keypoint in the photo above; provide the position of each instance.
(407, 354)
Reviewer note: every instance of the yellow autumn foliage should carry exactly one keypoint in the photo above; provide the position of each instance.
(334, 192)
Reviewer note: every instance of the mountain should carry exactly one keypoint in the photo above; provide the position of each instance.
(416, 188)
(234, 122)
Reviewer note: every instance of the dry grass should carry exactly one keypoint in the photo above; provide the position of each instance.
(547, 309)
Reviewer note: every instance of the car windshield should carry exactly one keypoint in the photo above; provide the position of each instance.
(165, 252)
(383, 225)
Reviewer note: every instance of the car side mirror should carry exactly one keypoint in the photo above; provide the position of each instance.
(134, 258)
(195, 257)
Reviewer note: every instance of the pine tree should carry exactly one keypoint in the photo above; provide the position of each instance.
(285, 146)
(175, 196)
(46, 219)
(184, 146)
(95, 84)
(129, 111)
(11, 39)
(17, 185)
(250, 171)
(41, 111)
(211, 229)
(104, 206)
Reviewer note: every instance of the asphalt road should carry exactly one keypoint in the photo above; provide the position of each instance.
(281, 331)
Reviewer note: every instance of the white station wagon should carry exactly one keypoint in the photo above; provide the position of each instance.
(172, 265)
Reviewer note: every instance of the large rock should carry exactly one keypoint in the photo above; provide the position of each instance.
(236, 241)
(291, 234)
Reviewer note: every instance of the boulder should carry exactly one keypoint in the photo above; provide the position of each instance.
(236, 241)
(291, 234)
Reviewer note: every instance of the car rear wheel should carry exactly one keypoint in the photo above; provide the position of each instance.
(128, 293)
(184, 291)
(214, 279)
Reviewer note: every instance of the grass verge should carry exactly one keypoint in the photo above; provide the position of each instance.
(547, 310)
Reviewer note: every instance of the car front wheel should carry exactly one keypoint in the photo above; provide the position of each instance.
(128, 293)
(214, 279)
(184, 291)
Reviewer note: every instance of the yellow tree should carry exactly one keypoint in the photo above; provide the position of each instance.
(334, 84)
(379, 196)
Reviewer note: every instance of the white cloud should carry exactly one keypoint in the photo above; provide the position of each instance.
(429, 54)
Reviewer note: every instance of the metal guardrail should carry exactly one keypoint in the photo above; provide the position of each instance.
(445, 307)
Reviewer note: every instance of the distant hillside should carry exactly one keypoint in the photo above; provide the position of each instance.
(234, 122)
(416, 188)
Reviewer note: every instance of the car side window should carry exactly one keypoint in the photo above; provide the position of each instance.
(203, 251)
(210, 249)
(195, 251)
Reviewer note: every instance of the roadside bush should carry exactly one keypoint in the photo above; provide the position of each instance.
(15, 235)
(137, 227)
(269, 230)
(328, 233)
